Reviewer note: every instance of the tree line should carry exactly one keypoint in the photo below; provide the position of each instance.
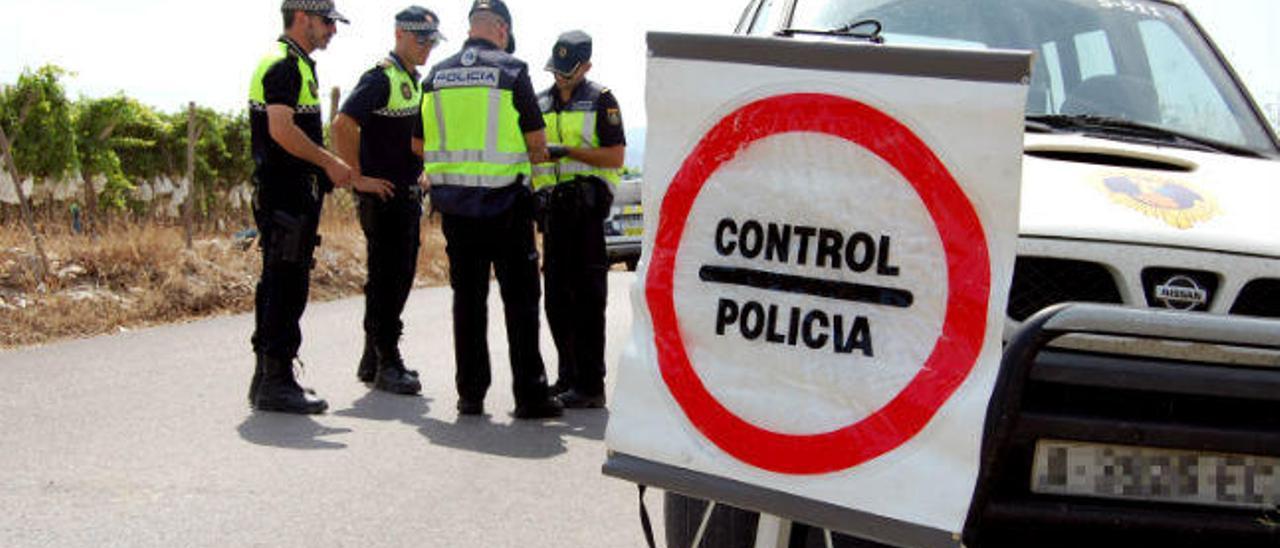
(109, 158)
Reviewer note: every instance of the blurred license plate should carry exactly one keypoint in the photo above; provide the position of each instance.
(632, 225)
(1158, 475)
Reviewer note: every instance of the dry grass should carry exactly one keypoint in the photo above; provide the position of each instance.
(138, 276)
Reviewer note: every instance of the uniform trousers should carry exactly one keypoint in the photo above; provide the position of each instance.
(503, 242)
(287, 213)
(392, 230)
(576, 270)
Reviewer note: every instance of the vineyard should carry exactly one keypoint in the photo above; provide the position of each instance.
(127, 216)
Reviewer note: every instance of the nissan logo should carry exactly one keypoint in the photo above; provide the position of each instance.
(1181, 293)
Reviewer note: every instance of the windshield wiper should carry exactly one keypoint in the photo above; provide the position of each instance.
(1118, 127)
(850, 30)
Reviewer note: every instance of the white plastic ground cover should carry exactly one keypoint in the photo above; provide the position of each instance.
(827, 256)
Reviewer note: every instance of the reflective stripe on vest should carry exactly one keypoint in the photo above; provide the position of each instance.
(402, 84)
(575, 127)
(471, 135)
(308, 103)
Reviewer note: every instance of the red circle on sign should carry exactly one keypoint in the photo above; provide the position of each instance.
(968, 286)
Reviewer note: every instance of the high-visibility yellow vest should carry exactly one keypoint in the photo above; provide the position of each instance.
(471, 129)
(405, 94)
(308, 102)
(573, 126)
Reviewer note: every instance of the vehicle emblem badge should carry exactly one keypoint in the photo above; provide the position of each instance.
(1181, 293)
(1176, 203)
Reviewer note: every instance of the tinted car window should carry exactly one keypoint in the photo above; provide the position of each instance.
(1131, 59)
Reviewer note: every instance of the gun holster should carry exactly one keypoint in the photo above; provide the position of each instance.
(541, 205)
(292, 240)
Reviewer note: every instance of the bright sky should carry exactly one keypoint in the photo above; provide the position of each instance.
(167, 52)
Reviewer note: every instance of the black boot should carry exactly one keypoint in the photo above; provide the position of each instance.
(573, 399)
(368, 370)
(544, 408)
(368, 361)
(279, 391)
(257, 379)
(392, 376)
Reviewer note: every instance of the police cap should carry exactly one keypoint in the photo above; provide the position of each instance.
(572, 49)
(420, 21)
(499, 8)
(323, 8)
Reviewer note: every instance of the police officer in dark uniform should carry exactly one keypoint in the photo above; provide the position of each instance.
(375, 134)
(586, 137)
(293, 173)
(481, 131)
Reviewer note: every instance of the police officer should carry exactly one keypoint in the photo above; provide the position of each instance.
(585, 134)
(291, 176)
(481, 130)
(375, 134)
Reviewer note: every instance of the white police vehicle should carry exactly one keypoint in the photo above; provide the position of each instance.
(624, 228)
(1150, 180)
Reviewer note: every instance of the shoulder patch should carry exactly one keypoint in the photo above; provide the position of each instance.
(614, 116)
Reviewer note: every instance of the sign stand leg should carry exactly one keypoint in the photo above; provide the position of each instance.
(702, 526)
(773, 532)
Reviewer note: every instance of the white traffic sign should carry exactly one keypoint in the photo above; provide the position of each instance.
(826, 273)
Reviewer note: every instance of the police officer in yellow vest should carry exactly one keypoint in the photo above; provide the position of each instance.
(292, 174)
(481, 130)
(375, 134)
(585, 133)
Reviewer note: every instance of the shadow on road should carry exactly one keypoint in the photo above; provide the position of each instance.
(288, 431)
(381, 406)
(517, 439)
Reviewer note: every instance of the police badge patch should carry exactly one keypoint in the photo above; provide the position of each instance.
(1177, 203)
(614, 116)
(406, 91)
(468, 57)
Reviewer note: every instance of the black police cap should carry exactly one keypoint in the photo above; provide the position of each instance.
(499, 8)
(572, 49)
(323, 8)
(421, 21)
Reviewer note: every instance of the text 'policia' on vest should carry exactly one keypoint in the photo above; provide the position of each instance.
(472, 143)
(574, 127)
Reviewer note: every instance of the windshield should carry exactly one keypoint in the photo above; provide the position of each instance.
(1130, 59)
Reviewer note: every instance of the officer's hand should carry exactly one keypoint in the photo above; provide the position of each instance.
(556, 152)
(381, 188)
(539, 155)
(339, 172)
(424, 181)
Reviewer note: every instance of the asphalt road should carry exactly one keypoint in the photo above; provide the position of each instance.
(145, 439)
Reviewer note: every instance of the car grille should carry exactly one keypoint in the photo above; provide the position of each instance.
(1039, 282)
(1259, 298)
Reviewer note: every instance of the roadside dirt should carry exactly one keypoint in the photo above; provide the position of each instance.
(134, 277)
